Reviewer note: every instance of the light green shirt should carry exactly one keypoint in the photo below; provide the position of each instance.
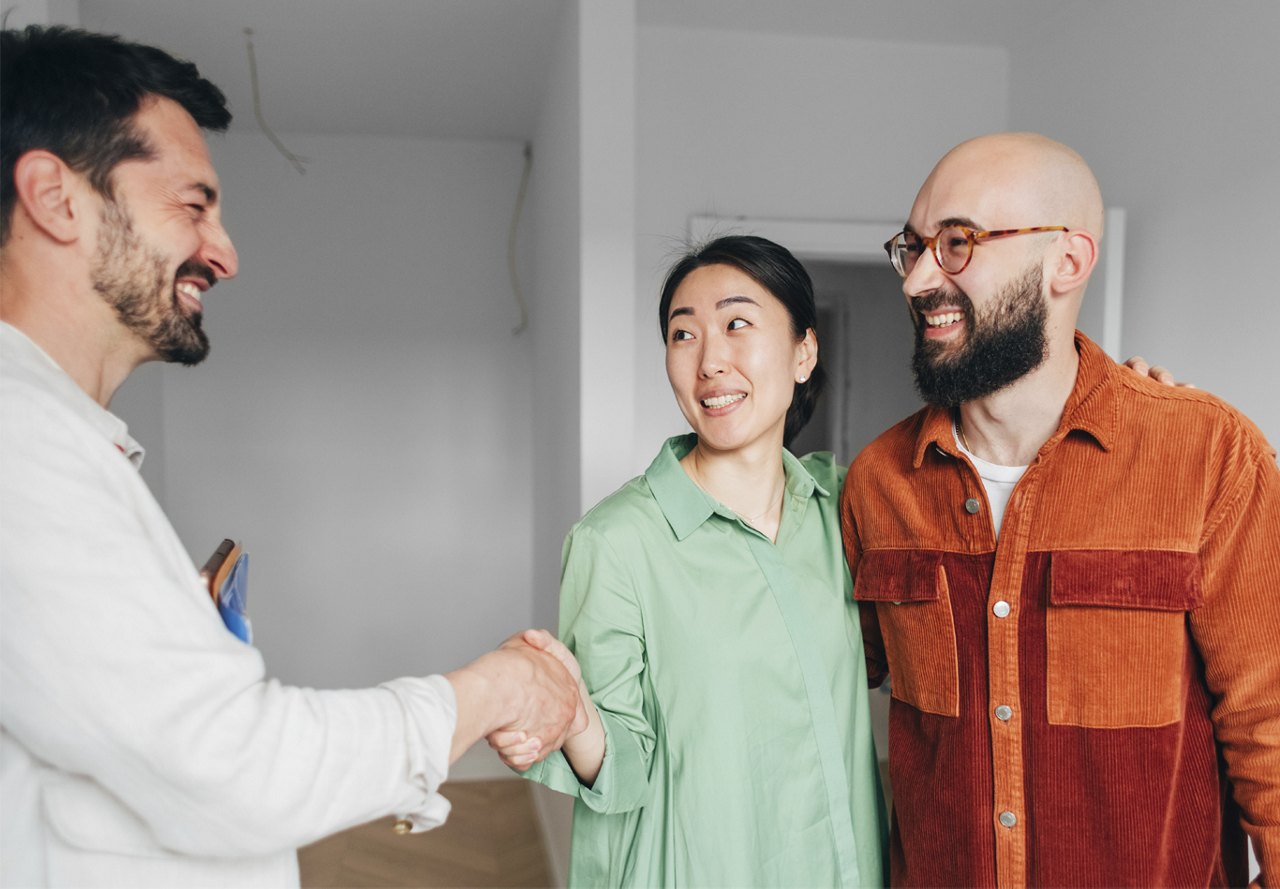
(729, 676)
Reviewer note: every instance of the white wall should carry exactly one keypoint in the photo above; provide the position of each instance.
(363, 421)
(583, 236)
(607, 48)
(20, 13)
(554, 318)
(582, 224)
(741, 124)
(1174, 107)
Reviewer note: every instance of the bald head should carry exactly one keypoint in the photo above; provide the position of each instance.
(1011, 180)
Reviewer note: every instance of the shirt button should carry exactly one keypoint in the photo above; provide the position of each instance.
(1001, 608)
(1004, 713)
(402, 826)
(1008, 819)
(972, 506)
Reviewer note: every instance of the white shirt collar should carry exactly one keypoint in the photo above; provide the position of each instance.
(21, 357)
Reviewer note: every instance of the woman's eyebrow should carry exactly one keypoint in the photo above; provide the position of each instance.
(727, 301)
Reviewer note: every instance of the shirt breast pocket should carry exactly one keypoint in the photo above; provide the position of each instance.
(913, 604)
(1117, 639)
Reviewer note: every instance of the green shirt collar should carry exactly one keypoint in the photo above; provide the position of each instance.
(686, 506)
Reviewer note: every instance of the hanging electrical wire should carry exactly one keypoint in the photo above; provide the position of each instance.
(257, 107)
(511, 242)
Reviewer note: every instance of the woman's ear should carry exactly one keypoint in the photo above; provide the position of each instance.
(806, 355)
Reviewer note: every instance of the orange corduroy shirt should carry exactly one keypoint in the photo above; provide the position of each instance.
(1093, 700)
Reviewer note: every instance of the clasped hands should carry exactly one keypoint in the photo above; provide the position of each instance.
(546, 721)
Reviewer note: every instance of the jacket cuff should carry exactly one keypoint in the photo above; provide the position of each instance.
(431, 715)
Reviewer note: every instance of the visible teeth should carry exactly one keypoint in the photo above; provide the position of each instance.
(944, 319)
(722, 400)
(190, 290)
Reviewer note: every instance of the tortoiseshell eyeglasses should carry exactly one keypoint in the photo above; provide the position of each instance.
(952, 248)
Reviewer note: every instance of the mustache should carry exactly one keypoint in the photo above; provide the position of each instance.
(193, 268)
(942, 297)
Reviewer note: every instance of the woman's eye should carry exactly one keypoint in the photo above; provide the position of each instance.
(737, 324)
(677, 335)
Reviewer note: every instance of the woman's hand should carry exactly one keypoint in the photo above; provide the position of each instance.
(516, 749)
(1139, 365)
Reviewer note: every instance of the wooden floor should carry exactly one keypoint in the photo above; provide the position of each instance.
(491, 839)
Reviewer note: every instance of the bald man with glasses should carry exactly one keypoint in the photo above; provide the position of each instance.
(1070, 573)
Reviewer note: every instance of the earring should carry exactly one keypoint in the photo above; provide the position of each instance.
(802, 379)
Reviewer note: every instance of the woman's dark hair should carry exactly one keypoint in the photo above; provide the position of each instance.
(774, 268)
(74, 93)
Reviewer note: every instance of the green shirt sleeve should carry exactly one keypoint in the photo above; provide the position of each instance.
(602, 624)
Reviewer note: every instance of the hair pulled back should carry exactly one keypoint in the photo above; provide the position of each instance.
(774, 268)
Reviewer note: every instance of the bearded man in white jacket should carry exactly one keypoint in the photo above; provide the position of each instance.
(141, 743)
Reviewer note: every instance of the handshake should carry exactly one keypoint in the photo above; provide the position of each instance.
(526, 698)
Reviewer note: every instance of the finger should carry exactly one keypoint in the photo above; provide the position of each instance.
(519, 748)
(520, 763)
(537, 638)
(1138, 364)
(519, 752)
(500, 739)
(1162, 375)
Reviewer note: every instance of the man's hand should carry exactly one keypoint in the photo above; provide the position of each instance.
(516, 748)
(1139, 365)
(518, 688)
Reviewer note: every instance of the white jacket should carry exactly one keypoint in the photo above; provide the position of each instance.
(140, 742)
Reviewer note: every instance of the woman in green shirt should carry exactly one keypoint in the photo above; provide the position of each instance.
(708, 604)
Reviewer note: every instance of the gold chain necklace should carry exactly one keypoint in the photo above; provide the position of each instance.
(749, 519)
(964, 442)
(752, 519)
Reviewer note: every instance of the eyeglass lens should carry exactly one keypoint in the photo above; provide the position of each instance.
(953, 249)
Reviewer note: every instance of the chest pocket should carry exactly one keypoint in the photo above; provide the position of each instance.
(1117, 639)
(913, 604)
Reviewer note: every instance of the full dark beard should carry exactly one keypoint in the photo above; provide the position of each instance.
(1005, 344)
(132, 279)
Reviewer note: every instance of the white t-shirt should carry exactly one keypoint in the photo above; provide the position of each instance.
(998, 481)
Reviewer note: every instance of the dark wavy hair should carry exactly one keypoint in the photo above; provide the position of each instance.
(75, 93)
(774, 268)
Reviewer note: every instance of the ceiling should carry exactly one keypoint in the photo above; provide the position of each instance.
(476, 68)
(439, 68)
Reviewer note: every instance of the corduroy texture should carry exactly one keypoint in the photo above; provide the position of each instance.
(1136, 668)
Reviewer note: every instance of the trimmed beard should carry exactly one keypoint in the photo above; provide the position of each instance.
(1004, 344)
(131, 278)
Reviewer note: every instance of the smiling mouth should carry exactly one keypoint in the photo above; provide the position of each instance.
(719, 401)
(943, 319)
(190, 294)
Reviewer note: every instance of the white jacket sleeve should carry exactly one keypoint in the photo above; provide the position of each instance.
(115, 665)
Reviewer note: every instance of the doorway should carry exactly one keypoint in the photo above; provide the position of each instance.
(865, 340)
